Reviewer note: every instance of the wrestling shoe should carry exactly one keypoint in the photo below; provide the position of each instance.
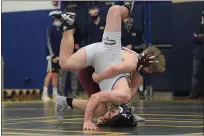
(61, 107)
(129, 5)
(55, 14)
(136, 117)
(68, 20)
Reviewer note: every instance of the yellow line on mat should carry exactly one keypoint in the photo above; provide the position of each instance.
(167, 115)
(22, 133)
(170, 126)
(193, 134)
(174, 115)
(176, 121)
(30, 122)
(38, 134)
(40, 117)
(71, 131)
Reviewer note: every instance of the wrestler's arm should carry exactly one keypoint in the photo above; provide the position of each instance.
(102, 97)
(128, 65)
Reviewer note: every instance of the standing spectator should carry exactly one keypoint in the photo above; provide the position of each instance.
(198, 62)
(54, 37)
(94, 29)
(132, 38)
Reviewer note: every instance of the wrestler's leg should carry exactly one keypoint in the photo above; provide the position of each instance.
(81, 104)
(67, 59)
(114, 17)
(63, 103)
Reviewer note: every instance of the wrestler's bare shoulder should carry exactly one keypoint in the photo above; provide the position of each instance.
(127, 54)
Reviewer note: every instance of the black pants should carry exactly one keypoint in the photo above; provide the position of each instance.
(198, 77)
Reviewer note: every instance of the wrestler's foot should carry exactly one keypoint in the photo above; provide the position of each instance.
(61, 107)
(136, 117)
(129, 5)
(68, 19)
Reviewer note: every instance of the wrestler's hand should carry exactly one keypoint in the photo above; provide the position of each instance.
(88, 125)
(96, 77)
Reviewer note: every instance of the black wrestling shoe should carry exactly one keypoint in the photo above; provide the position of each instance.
(68, 20)
(55, 14)
(129, 5)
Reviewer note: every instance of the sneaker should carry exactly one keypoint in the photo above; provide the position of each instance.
(136, 117)
(61, 107)
(141, 95)
(45, 98)
(129, 5)
(55, 94)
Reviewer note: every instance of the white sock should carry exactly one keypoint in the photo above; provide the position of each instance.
(141, 88)
(45, 91)
(54, 91)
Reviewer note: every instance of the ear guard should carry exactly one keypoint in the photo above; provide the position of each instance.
(123, 119)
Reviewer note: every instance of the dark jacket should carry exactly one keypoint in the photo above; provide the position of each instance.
(198, 52)
(53, 41)
(93, 33)
(134, 36)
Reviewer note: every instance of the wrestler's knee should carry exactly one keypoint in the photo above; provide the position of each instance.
(114, 10)
(62, 64)
(126, 96)
(95, 97)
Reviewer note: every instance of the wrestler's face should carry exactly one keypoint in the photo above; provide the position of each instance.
(113, 113)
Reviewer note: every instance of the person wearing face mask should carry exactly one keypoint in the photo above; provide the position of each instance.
(198, 62)
(94, 30)
(132, 38)
(54, 37)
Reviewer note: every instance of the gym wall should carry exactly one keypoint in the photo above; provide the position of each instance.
(24, 25)
(24, 41)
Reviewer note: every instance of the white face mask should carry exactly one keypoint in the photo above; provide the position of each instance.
(57, 23)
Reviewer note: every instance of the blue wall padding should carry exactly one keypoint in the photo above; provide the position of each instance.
(161, 30)
(24, 48)
(185, 21)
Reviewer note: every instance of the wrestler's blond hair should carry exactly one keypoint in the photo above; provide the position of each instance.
(159, 57)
